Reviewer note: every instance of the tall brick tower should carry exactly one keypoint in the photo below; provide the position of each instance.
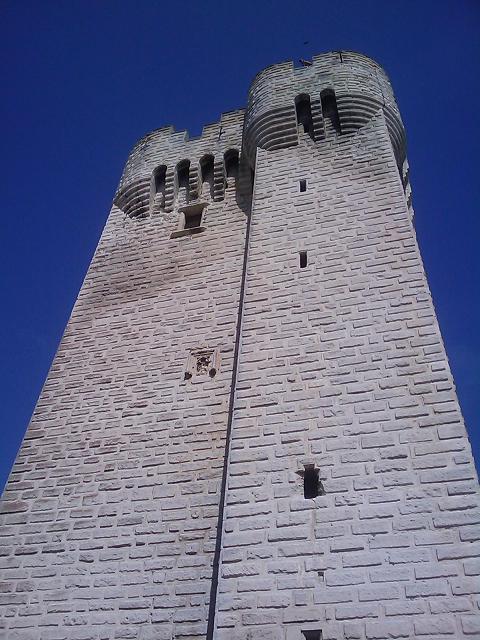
(250, 430)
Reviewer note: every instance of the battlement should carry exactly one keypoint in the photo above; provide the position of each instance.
(327, 99)
(168, 168)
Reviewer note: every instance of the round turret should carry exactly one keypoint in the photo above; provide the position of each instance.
(335, 94)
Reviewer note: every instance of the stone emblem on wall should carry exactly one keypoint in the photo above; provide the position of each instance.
(202, 362)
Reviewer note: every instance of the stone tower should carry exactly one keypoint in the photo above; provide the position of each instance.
(250, 430)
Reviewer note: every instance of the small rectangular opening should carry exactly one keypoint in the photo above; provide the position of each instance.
(190, 220)
(314, 634)
(303, 259)
(303, 185)
(311, 484)
(193, 219)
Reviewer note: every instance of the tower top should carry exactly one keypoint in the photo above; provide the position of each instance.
(343, 89)
(359, 84)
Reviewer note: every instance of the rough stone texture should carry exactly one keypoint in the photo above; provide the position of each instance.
(110, 515)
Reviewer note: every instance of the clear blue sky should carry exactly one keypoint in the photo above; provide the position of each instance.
(83, 80)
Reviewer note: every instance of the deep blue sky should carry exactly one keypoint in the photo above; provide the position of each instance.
(82, 81)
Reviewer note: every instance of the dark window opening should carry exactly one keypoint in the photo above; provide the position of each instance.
(303, 259)
(311, 483)
(192, 219)
(303, 186)
(207, 172)
(329, 109)
(314, 634)
(159, 177)
(304, 114)
(231, 163)
(183, 176)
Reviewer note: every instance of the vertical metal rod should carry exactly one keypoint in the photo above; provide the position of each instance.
(228, 436)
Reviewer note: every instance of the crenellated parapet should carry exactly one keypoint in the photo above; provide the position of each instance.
(337, 93)
(167, 169)
(327, 99)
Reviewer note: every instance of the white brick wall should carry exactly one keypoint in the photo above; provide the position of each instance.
(342, 365)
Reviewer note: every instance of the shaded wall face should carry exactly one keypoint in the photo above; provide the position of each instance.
(109, 518)
(342, 369)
